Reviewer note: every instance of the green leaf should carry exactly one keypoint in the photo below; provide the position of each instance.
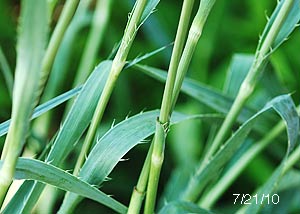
(62, 60)
(238, 69)
(115, 144)
(285, 108)
(290, 180)
(182, 207)
(7, 73)
(210, 97)
(32, 35)
(288, 26)
(149, 9)
(41, 109)
(73, 127)
(31, 169)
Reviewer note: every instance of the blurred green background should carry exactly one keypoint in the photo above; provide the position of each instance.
(233, 27)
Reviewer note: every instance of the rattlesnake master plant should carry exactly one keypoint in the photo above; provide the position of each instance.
(184, 157)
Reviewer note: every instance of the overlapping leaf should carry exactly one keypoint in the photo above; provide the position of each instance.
(31, 169)
(287, 110)
(116, 143)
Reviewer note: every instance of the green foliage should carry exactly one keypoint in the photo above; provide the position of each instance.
(236, 117)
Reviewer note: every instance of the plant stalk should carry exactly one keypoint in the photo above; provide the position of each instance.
(209, 199)
(55, 41)
(139, 190)
(249, 82)
(99, 23)
(162, 124)
(117, 66)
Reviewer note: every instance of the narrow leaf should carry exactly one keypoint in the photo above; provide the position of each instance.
(73, 127)
(45, 107)
(288, 26)
(210, 97)
(287, 110)
(31, 169)
(115, 144)
(182, 207)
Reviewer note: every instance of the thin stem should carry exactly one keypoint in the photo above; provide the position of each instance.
(139, 191)
(94, 41)
(162, 124)
(192, 41)
(55, 41)
(249, 82)
(209, 199)
(157, 158)
(117, 66)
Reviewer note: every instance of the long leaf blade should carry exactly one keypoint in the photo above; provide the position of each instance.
(287, 110)
(45, 107)
(181, 207)
(115, 144)
(31, 169)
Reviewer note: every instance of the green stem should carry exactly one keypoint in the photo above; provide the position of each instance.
(117, 66)
(192, 41)
(90, 51)
(249, 82)
(55, 41)
(162, 125)
(94, 41)
(209, 199)
(139, 191)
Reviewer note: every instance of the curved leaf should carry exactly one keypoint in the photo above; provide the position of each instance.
(31, 169)
(116, 143)
(210, 97)
(73, 127)
(287, 110)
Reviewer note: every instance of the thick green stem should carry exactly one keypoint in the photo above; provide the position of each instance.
(250, 81)
(117, 66)
(192, 41)
(163, 121)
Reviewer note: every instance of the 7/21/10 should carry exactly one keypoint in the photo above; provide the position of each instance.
(264, 198)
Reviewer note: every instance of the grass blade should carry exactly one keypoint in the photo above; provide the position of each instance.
(45, 107)
(287, 110)
(30, 51)
(180, 207)
(7, 73)
(287, 27)
(112, 147)
(238, 69)
(210, 97)
(71, 129)
(31, 169)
